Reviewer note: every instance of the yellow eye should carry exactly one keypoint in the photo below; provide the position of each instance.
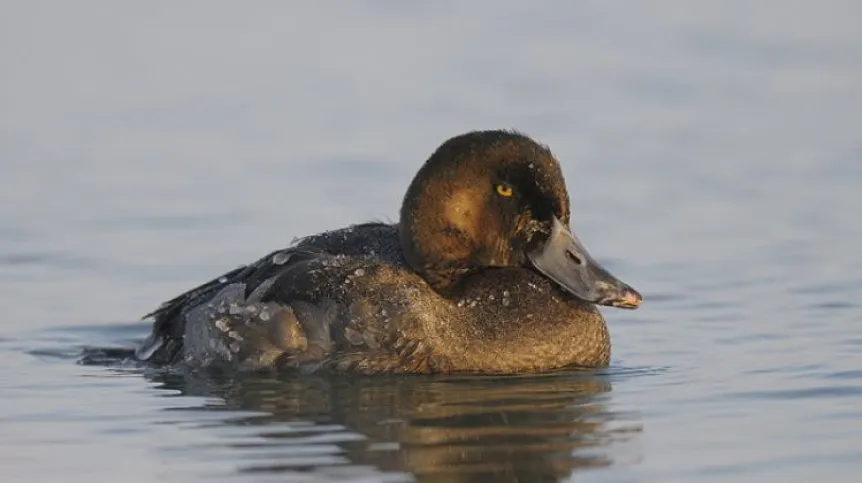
(504, 190)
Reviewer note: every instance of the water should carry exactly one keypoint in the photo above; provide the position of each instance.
(713, 157)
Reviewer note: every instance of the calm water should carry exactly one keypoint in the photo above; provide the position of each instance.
(714, 158)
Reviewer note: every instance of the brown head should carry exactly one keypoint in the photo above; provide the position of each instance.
(498, 199)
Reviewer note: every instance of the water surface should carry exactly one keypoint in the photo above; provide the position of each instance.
(712, 153)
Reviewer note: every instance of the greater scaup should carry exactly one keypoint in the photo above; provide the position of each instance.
(481, 274)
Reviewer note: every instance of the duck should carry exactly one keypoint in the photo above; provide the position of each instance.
(481, 274)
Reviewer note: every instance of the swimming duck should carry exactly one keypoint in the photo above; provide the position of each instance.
(481, 274)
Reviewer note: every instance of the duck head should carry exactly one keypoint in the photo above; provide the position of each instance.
(492, 199)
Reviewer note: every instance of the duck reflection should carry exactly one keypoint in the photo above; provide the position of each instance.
(539, 428)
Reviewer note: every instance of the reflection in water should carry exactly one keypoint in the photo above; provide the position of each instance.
(437, 429)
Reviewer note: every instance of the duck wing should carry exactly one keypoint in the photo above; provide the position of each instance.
(244, 285)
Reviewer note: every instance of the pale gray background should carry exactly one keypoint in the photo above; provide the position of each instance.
(712, 151)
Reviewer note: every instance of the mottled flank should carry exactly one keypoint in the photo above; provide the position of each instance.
(468, 281)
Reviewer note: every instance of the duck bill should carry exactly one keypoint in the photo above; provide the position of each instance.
(564, 260)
